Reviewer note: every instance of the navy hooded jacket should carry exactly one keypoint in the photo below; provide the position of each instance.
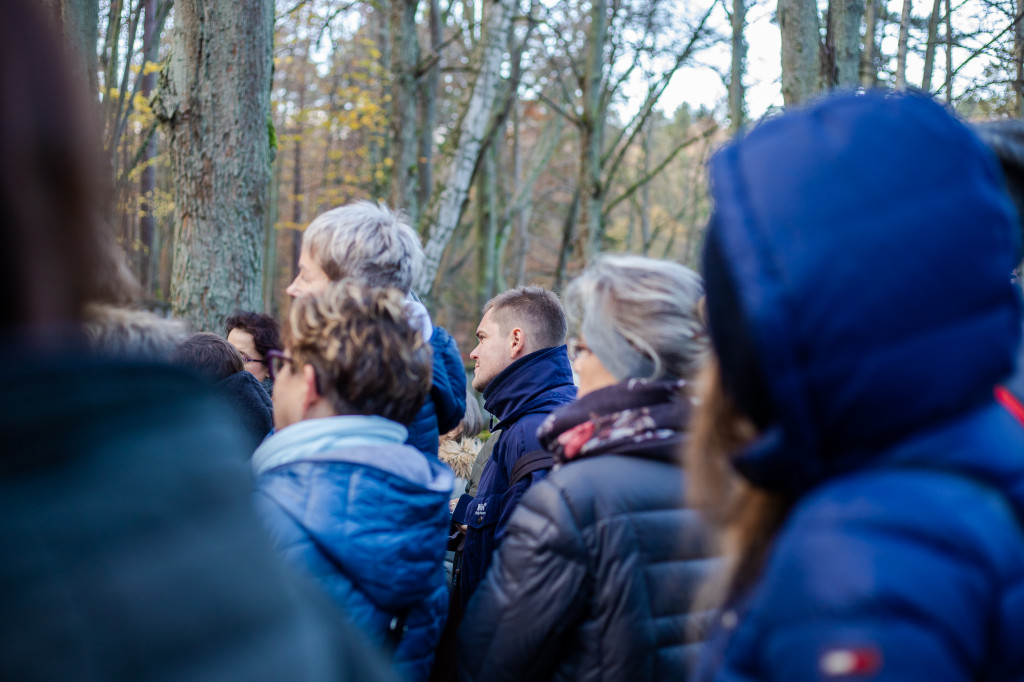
(521, 397)
(870, 243)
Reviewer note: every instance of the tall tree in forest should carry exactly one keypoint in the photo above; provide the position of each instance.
(215, 106)
(469, 140)
(147, 183)
(931, 46)
(903, 46)
(810, 64)
(738, 19)
(79, 20)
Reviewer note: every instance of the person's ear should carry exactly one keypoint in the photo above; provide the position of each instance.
(311, 396)
(517, 343)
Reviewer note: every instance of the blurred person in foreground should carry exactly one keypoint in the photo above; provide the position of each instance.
(130, 549)
(596, 574)
(376, 246)
(344, 497)
(860, 307)
(220, 363)
(127, 333)
(255, 335)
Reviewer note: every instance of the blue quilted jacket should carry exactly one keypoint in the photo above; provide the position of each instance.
(446, 403)
(871, 244)
(367, 518)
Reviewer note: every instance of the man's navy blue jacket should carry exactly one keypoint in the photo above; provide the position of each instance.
(870, 244)
(521, 396)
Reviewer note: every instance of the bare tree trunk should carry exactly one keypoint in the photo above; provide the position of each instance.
(949, 51)
(428, 112)
(592, 131)
(1018, 59)
(568, 237)
(930, 46)
(451, 202)
(842, 43)
(380, 145)
(215, 104)
(645, 191)
(738, 67)
(79, 20)
(868, 66)
(405, 59)
(521, 216)
(147, 183)
(801, 48)
(901, 54)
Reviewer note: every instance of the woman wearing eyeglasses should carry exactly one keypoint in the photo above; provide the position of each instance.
(595, 576)
(344, 498)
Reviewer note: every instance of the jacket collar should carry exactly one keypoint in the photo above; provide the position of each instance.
(524, 386)
(322, 439)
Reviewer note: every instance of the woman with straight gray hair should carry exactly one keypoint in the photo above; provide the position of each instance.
(595, 576)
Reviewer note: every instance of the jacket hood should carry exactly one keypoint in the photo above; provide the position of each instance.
(868, 243)
(538, 382)
(377, 508)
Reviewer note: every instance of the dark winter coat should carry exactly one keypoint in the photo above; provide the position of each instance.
(446, 404)
(596, 575)
(367, 517)
(521, 396)
(871, 243)
(130, 548)
(253, 405)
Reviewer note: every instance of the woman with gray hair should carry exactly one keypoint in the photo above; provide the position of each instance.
(595, 576)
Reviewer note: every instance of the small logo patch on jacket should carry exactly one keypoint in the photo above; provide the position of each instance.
(850, 662)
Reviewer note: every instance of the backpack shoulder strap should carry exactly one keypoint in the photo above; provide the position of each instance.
(531, 462)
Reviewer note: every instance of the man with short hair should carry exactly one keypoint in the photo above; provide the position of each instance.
(376, 246)
(523, 371)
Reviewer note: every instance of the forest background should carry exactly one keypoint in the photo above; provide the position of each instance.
(521, 137)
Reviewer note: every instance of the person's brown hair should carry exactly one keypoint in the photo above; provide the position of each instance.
(747, 518)
(535, 309)
(368, 359)
(264, 329)
(54, 187)
(209, 355)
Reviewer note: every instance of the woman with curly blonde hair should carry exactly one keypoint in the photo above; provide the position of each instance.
(344, 498)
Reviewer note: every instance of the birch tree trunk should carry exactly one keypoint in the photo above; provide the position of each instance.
(901, 52)
(801, 47)
(930, 46)
(215, 105)
(474, 128)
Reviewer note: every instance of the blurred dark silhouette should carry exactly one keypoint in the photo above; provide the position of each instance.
(130, 548)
